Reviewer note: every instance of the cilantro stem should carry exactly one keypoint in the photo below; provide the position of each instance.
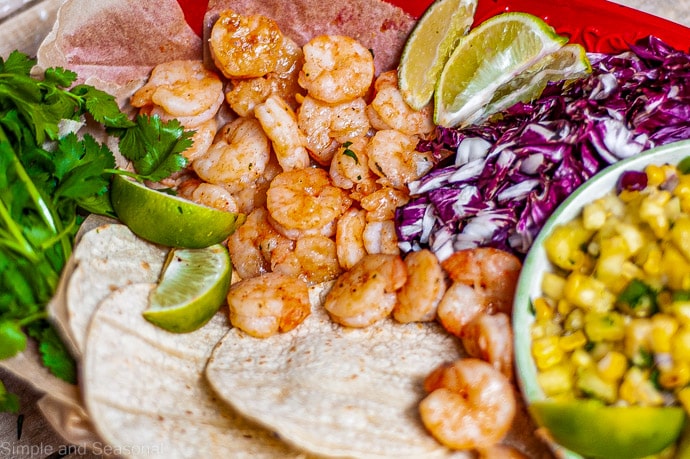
(42, 207)
(32, 318)
(20, 245)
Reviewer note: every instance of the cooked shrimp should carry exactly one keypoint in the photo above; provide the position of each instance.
(459, 305)
(490, 271)
(280, 125)
(388, 109)
(327, 126)
(349, 169)
(336, 68)
(490, 337)
(313, 259)
(349, 237)
(252, 245)
(394, 158)
(367, 292)
(203, 137)
(419, 296)
(238, 157)
(245, 94)
(268, 304)
(208, 194)
(305, 199)
(380, 237)
(183, 89)
(381, 204)
(500, 452)
(245, 46)
(470, 405)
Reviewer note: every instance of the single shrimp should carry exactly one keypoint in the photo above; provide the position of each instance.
(349, 237)
(388, 109)
(380, 237)
(305, 200)
(459, 305)
(313, 259)
(470, 404)
(252, 245)
(244, 94)
(238, 157)
(280, 125)
(246, 46)
(203, 137)
(207, 194)
(182, 89)
(327, 126)
(490, 271)
(490, 337)
(268, 304)
(367, 292)
(394, 158)
(336, 68)
(381, 204)
(419, 296)
(349, 169)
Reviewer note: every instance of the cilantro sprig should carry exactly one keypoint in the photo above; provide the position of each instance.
(50, 181)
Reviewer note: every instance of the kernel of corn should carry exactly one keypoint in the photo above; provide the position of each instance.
(572, 341)
(588, 293)
(653, 212)
(564, 307)
(680, 345)
(543, 310)
(681, 311)
(638, 338)
(664, 326)
(609, 326)
(612, 366)
(552, 285)
(637, 389)
(684, 398)
(676, 376)
(682, 188)
(556, 380)
(655, 175)
(546, 352)
(680, 235)
(581, 358)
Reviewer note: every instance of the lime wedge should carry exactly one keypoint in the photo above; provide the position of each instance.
(428, 47)
(594, 430)
(193, 286)
(488, 57)
(568, 63)
(168, 220)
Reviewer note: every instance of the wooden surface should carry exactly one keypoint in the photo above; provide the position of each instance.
(23, 24)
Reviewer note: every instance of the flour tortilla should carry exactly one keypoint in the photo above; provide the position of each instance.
(335, 391)
(145, 390)
(107, 257)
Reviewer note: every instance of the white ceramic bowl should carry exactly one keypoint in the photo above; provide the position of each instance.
(536, 262)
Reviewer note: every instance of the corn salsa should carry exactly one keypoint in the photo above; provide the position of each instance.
(613, 321)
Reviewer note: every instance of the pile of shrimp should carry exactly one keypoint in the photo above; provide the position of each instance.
(317, 151)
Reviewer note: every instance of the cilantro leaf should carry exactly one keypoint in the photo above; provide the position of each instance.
(102, 107)
(8, 402)
(155, 147)
(53, 351)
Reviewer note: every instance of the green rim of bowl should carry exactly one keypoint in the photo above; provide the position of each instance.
(536, 262)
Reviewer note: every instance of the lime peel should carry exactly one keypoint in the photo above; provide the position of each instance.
(594, 430)
(490, 56)
(428, 47)
(193, 286)
(170, 220)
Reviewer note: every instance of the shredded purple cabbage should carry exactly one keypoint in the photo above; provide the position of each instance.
(512, 171)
